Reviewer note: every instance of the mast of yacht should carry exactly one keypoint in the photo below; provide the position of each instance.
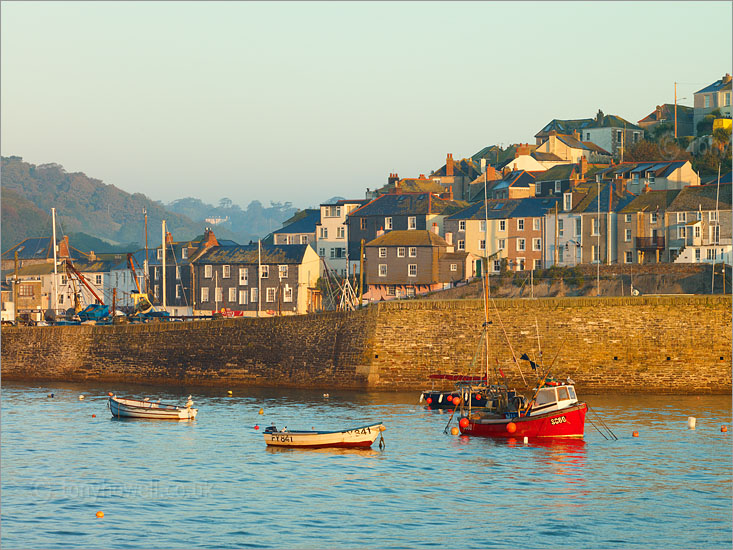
(145, 263)
(55, 270)
(163, 245)
(487, 287)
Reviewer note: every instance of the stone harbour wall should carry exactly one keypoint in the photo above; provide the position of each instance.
(647, 344)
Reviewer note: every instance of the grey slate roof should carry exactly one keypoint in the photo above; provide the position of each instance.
(408, 204)
(715, 87)
(702, 197)
(248, 254)
(651, 201)
(408, 238)
(38, 248)
(306, 224)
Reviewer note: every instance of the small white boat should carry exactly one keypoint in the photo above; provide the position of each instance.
(363, 436)
(135, 408)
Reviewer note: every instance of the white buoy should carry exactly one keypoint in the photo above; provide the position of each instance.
(81, 397)
(691, 421)
(526, 439)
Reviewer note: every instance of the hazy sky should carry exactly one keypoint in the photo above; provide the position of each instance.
(301, 101)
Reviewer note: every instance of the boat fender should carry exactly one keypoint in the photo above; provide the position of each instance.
(440, 399)
(422, 396)
(518, 402)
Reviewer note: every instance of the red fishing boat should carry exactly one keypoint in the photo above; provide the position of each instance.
(553, 412)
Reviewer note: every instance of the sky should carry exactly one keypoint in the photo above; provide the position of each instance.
(302, 101)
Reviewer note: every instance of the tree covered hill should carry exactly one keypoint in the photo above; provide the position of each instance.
(88, 206)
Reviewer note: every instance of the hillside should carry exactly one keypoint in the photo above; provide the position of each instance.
(85, 205)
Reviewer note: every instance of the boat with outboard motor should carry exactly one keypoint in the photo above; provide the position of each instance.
(362, 436)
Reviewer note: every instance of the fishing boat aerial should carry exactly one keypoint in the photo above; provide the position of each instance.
(136, 408)
(363, 436)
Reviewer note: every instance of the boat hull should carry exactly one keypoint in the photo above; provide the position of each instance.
(363, 436)
(133, 408)
(567, 422)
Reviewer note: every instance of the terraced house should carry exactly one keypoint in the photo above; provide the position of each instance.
(405, 263)
(642, 228)
(257, 280)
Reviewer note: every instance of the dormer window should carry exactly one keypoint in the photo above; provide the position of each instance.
(567, 201)
(184, 253)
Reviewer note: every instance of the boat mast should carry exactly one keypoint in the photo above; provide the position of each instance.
(259, 276)
(487, 286)
(55, 271)
(145, 266)
(163, 247)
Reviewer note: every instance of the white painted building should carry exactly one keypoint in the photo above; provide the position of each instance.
(332, 236)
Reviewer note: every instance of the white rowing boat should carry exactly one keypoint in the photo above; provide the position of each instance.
(363, 436)
(135, 408)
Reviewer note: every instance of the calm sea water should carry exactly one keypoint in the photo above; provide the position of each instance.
(212, 483)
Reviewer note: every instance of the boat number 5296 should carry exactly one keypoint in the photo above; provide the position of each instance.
(558, 420)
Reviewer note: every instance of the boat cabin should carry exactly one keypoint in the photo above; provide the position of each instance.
(553, 398)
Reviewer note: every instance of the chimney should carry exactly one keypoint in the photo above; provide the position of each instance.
(380, 232)
(435, 228)
(583, 167)
(92, 256)
(552, 133)
(209, 239)
(168, 238)
(393, 179)
(422, 177)
(726, 78)
(576, 135)
(449, 237)
(490, 173)
(449, 164)
(450, 192)
(658, 113)
(63, 249)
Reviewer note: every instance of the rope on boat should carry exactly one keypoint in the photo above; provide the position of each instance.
(608, 435)
(382, 444)
(445, 430)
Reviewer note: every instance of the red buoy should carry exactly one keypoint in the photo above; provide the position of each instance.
(635, 434)
(94, 416)
(257, 427)
(463, 422)
(456, 401)
(724, 428)
(511, 427)
(479, 397)
(429, 400)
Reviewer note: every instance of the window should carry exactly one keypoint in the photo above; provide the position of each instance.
(184, 253)
(712, 254)
(726, 99)
(410, 291)
(207, 272)
(698, 215)
(567, 201)
(304, 239)
(253, 295)
(382, 270)
(537, 264)
(497, 266)
(282, 271)
(98, 280)
(412, 252)
(363, 224)
(558, 187)
(243, 276)
(388, 223)
(412, 222)
(697, 254)
(482, 226)
(61, 299)
(628, 256)
(619, 135)
(537, 244)
(715, 234)
(25, 290)
(697, 231)
(243, 297)
(462, 225)
(391, 290)
(560, 227)
(401, 252)
(536, 224)
(520, 264)
(264, 271)
(502, 244)
(454, 267)
(178, 291)
(713, 216)
(178, 272)
(288, 294)
(635, 177)
(461, 245)
(654, 217)
(324, 232)
(340, 232)
(520, 224)
(650, 177)
(596, 252)
(627, 235)
(63, 279)
(482, 244)
(160, 253)
(225, 271)
(560, 254)
(156, 273)
(627, 218)
(707, 101)
(521, 244)
(412, 270)
(587, 137)
(382, 252)
(502, 225)
(578, 226)
(218, 294)
(270, 295)
(232, 294)
(594, 227)
(204, 293)
(680, 232)
(322, 252)
(636, 136)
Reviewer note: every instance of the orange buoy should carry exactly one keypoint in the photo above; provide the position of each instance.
(454, 430)
(511, 427)
(463, 422)
(100, 514)
(635, 434)
(724, 428)
(94, 416)
(456, 401)
(110, 393)
(479, 397)
(429, 400)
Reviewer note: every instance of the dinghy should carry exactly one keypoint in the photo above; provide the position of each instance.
(135, 408)
(363, 436)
